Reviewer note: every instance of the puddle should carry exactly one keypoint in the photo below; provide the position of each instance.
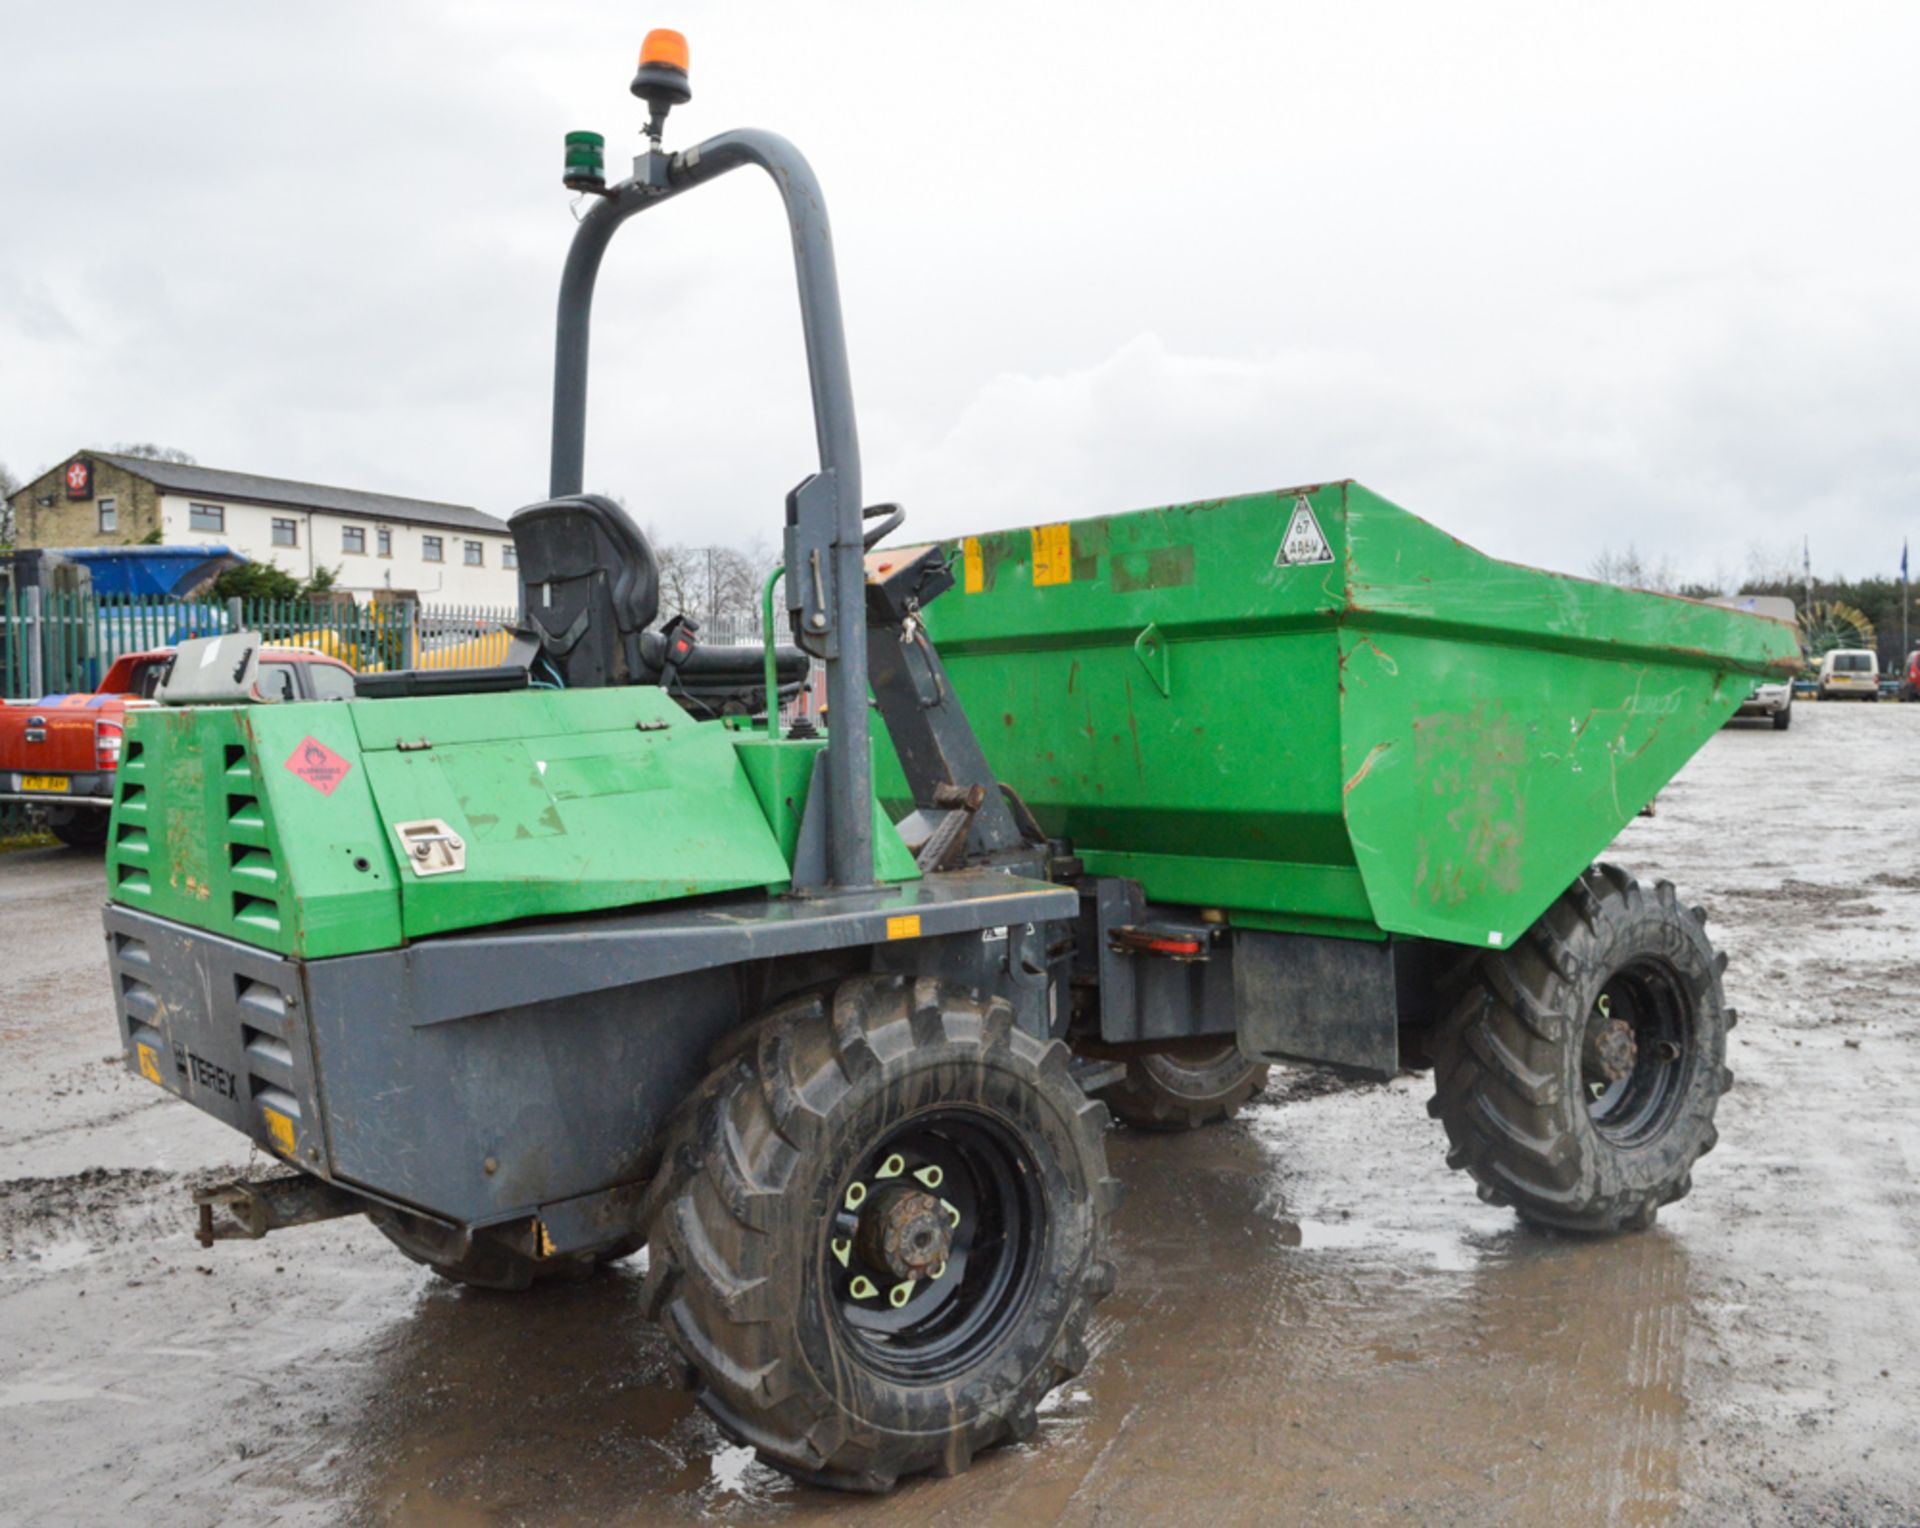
(1447, 1252)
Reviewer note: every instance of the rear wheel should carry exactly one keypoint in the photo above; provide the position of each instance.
(1578, 1074)
(1783, 719)
(879, 1231)
(1185, 1086)
(78, 827)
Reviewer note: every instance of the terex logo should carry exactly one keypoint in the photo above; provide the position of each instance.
(207, 1075)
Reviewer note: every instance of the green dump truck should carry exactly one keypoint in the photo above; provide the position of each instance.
(535, 964)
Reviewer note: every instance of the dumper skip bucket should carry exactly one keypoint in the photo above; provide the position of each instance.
(1318, 713)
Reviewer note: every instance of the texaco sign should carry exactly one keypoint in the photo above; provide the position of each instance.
(79, 478)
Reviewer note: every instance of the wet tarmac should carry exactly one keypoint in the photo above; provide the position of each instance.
(1316, 1319)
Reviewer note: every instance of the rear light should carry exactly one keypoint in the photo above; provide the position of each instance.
(106, 745)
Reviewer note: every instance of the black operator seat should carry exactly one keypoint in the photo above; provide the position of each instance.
(592, 589)
(592, 586)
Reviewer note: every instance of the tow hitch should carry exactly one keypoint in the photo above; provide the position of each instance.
(271, 1204)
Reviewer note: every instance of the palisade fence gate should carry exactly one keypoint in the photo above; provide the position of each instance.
(55, 642)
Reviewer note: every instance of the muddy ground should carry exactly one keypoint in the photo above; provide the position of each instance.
(1316, 1320)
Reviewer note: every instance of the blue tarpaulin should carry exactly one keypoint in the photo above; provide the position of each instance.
(176, 571)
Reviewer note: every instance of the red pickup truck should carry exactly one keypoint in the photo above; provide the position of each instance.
(59, 753)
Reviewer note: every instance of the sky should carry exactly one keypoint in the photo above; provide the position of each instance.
(1561, 278)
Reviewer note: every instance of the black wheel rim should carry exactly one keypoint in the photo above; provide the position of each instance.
(988, 1188)
(1638, 1053)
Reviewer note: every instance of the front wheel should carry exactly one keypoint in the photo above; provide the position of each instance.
(1783, 719)
(879, 1230)
(1195, 1083)
(1578, 1073)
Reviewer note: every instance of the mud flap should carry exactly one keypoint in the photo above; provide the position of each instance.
(1303, 997)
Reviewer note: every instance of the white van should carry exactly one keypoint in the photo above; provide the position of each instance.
(1850, 671)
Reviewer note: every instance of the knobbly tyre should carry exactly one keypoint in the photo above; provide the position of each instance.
(534, 964)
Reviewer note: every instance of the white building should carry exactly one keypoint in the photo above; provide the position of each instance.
(443, 553)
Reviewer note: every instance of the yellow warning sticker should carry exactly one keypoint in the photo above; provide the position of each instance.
(976, 573)
(905, 927)
(280, 1130)
(1052, 555)
(149, 1064)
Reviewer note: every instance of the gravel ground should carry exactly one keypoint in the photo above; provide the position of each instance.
(1316, 1319)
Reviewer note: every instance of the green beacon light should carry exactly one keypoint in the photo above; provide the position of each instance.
(586, 162)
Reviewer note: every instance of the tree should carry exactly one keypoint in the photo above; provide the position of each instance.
(712, 583)
(148, 451)
(9, 486)
(680, 581)
(1634, 571)
(270, 581)
(256, 581)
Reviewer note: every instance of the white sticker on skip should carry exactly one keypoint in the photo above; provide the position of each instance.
(1304, 541)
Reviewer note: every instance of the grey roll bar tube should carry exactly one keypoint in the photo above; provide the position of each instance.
(826, 508)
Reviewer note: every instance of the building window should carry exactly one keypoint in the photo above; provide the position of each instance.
(509, 556)
(286, 532)
(206, 517)
(353, 538)
(476, 555)
(430, 549)
(109, 515)
(383, 538)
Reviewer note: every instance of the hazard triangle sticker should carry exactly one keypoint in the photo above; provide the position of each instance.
(1304, 542)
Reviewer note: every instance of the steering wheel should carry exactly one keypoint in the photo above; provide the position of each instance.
(895, 517)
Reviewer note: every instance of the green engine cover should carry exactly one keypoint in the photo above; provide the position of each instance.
(279, 825)
(1322, 714)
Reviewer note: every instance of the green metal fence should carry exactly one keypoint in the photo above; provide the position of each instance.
(54, 642)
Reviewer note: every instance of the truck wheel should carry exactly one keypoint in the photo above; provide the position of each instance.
(1783, 719)
(481, 1262)
(1185, 1086)
(1578, 1073)
(78, 827)
(879, 1231)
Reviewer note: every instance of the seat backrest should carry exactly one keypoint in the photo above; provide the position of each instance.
(591, 585)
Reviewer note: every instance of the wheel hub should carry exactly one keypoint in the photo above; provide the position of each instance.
(1611, 1049)
(904, 1233)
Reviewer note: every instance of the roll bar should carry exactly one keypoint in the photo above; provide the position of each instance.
(826, 578)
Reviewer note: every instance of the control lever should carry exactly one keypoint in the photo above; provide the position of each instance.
(681, 635)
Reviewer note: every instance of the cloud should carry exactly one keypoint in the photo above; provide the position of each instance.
(1554, 281)
(1696, 416)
